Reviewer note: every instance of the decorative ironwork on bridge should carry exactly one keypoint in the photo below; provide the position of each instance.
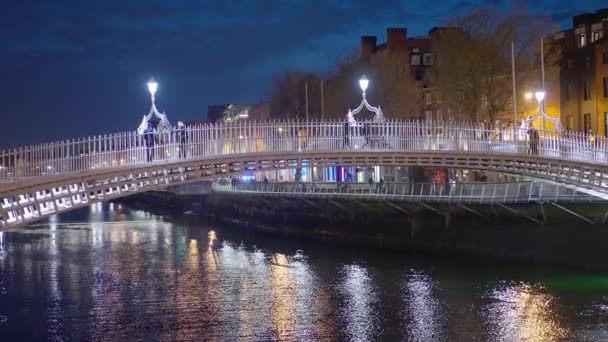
(378, 115)
(164, 125)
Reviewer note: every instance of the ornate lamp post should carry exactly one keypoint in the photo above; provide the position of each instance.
(164, 125)
(378, 115)
(540, 97)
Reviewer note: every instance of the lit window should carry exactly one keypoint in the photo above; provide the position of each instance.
(596, 35)
(415, 59)
(580, 40)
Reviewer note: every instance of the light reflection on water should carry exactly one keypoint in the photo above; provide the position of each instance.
(114, 274)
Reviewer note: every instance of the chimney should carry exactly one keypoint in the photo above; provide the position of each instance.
(396, 38)
(368, 46)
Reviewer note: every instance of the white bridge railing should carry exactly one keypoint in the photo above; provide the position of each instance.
(480, 192)
(129, 148)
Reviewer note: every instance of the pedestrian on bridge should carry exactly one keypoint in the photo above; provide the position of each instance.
(149, 140)
(181, 136)
(346, 138)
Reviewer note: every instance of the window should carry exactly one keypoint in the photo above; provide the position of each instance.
(428, 115)
(587, 122)
(596, 35)
(596, 32)
(586, 94)
(439, 115)
(415, 59)
(438, 97)
(570, 122)
(580, 40)
(428, 98)
(605, 79)
(570, 64)
(427, 58)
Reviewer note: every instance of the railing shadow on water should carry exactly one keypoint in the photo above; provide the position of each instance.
(125, 149)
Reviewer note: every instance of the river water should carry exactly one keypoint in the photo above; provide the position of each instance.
(111, 273)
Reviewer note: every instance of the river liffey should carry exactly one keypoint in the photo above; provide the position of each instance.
(114, 274)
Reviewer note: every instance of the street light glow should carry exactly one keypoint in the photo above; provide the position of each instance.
(152, 87)
(528, 95)
(363, 83)
(540, 96)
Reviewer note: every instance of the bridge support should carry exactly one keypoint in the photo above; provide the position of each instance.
(399, 208)
(520, 214)
(367, 206)
(573, 213)
(312, 203)
(473, 211)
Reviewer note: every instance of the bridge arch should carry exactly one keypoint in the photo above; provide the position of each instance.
(64, 175)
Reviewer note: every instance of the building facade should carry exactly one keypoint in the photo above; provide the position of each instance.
(410, 57)
(584, 73)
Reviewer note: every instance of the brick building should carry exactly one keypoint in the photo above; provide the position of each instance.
(584, 73)
(418, 55)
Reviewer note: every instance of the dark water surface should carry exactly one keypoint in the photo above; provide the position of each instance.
(110, 273)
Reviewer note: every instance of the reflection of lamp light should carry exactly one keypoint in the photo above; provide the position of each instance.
(540, 96)
(363, 83)
(528, 95)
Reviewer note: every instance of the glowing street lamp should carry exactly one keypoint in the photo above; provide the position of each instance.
(152, 87)
(378, 115)
(363, 83)
(540, 96)
(528, 95)
(164, 125)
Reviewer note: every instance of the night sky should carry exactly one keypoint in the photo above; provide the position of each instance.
(72, 68)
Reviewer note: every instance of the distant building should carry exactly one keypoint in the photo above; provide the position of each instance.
(420, 57)
(584, 73)
(235, 113)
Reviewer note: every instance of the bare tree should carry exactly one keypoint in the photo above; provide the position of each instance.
(472, 69)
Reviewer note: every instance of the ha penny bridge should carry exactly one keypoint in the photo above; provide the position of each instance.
(41, 180)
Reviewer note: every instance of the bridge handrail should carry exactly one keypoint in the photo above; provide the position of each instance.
(475, 192)
(208, 140)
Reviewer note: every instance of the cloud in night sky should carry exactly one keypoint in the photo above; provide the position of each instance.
(78, 67)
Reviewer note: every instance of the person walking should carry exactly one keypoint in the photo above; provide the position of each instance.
(366, 135)
(346, 138)
(149, 140)
(181, 136)
(371, 183)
